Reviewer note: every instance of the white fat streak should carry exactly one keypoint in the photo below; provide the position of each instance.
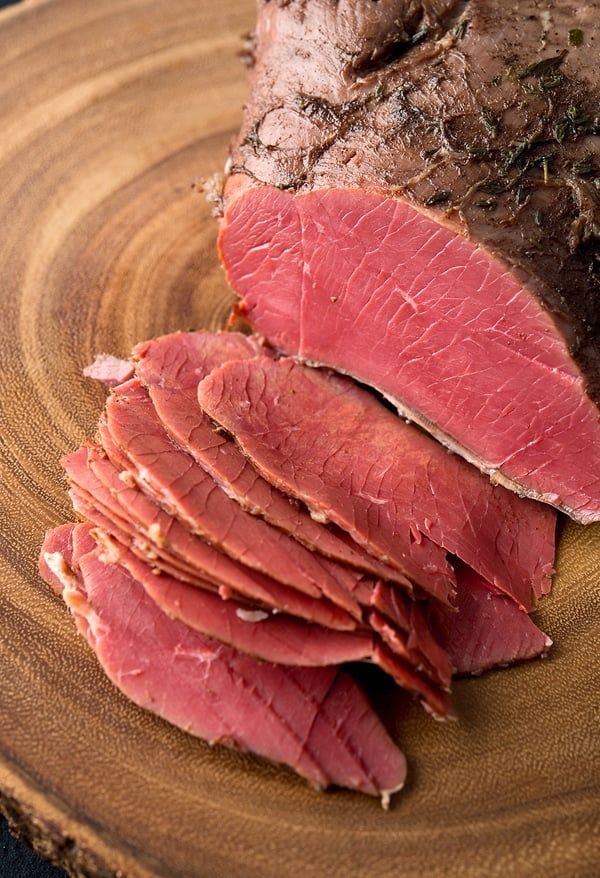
(156, 535)
(57, 564)
(318, 516)
(127, 478)
(251, 615)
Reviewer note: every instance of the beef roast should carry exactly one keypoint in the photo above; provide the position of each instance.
(170, 368)
(314, 719)
(488, 630)
(414, 199)
(385, 481)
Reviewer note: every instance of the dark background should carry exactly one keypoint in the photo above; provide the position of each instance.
(17, 860)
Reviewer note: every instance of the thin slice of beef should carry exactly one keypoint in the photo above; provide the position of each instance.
(315, 720)
(176, 480)
(280, 638)
(488, 630)
(427, 653)
(170, 368)
(414, 209)
(383, 480)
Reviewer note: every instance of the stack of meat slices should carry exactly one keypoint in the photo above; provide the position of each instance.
(252, 524)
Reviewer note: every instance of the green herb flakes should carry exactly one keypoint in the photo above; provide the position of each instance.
(576, 37)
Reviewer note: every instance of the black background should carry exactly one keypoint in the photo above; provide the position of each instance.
(18, 861)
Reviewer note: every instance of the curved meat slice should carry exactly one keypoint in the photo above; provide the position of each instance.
(315, 720)
(488, 630)
(170, 368)
(56, 556)
(375, 475)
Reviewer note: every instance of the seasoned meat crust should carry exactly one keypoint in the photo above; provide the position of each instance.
(486, 114)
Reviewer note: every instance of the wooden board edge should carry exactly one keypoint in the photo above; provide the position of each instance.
(59, 838)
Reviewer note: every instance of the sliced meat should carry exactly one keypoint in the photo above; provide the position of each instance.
(276, 638)
(404, 546)
(409, 617)
(92, 499)
(407, 207)
(315, 720)
(488, 630)
(170, 368)
(273, 638)
(383, 480)
(190, 493)
(422, 650)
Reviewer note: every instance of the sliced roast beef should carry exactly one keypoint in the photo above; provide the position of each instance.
(314, 719)
(279, 638)
(406, 548)
(190, 493)
(96, 506)
(90, 499)
(383, 480)
(56, 556)
(170, 368)
(488, 630)
(413, 199)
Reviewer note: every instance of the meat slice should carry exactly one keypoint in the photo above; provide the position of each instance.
(315, 720)
(282, 639)
(383, 480)
(91, 499)
(170, 368)
(391, 212)
(174, 478)
(487, 631)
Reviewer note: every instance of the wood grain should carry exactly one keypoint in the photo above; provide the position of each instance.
(110, 112)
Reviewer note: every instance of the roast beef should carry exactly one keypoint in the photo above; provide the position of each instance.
(488, 630)
(90, 499)
(170, 368)
(282, 639)
(316, 720)
(414, 199)
(191, 494)
(389, 484)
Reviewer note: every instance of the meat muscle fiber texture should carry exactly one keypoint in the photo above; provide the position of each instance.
(170, 368)
(316, 720)
(387, 213)
(382, 479)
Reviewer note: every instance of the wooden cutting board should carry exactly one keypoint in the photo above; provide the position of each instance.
(110, 113)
